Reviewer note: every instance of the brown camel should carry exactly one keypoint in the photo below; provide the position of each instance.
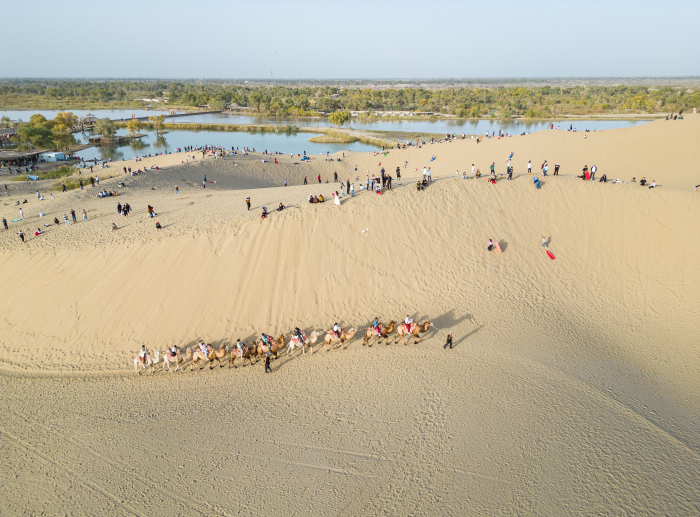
(331, 337)
(402, 332)
(383, 333)
(198, 355)
(249, 351)
(308, 342)
(217, 355)
(278, 344)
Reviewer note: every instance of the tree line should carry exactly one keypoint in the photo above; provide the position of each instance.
(501, 102)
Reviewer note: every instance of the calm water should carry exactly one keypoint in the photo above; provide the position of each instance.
(271, 142)
(423, 126)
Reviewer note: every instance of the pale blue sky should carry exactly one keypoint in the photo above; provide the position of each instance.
(343, 39)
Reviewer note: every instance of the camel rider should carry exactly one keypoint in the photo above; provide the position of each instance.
(143, 353)
(173, 351)
(203, 348)
(375, 325)
(408, 322)
(336, 329)
(266, 341)
(299, 334)
(239, 346)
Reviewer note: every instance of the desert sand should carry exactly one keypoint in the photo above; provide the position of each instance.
(571, 389)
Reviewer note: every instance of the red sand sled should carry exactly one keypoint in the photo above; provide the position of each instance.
(551, 255)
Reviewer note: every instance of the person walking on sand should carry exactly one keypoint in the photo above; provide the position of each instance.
(84, 216)
(247, 202)
(65, 220)
(556, 169)
(177, 190)
(4, 223)
(305, 182)
(21, 235)
(449, 341)
(544, 242)
(430, 175)
(594, 169)
(529, 166)
(64, 186)
(491, 244)
(72, 214)
(352, 190)
(38, 196)
(21, 214)
(268, 368)
(319, 176)
(204, 184)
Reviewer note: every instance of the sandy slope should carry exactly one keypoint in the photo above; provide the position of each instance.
(572, 389)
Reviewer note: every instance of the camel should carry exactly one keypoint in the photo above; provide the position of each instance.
(150, 361)
(401, 332)
(332, 338)
(249, 352)
(216, 355)
(197, 354)
(308, 342)
(383, 333)
(178, 360)
(278, 344)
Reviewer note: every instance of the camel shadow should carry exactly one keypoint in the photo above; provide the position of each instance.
(449, 320)
(477, 329)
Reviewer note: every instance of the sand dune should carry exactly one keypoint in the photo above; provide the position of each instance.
(571, 389)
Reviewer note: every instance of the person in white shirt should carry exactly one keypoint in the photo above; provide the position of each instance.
(408, 322)
(472, 169)
(425, 171)
(529, 167)
(336, 329)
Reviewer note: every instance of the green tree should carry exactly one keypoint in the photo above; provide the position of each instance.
(105, 127)
(157, 123)
(33, 137)
(62, 137)
(134, 126)
(339, 118)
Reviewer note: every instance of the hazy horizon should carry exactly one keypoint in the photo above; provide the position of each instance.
(389, 40)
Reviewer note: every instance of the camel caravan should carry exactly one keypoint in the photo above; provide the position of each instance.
(267, 345)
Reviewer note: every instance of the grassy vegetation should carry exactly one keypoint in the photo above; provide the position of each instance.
(61, 172)
(333, 137)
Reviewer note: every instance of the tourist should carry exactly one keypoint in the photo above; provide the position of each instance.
(556, 169)
(21, 235)
(529, 166)
(4, 223)
(449, 341)
(352, 190)
(84, 216)
(594, 169)
(491, 244)
(72, 214)
(21, 214)
(544, 242)
(65, 220)
(247, 202)
(177, 190)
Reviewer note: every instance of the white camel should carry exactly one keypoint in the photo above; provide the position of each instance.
(308, 342)
(178, 359)
(151, 361)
